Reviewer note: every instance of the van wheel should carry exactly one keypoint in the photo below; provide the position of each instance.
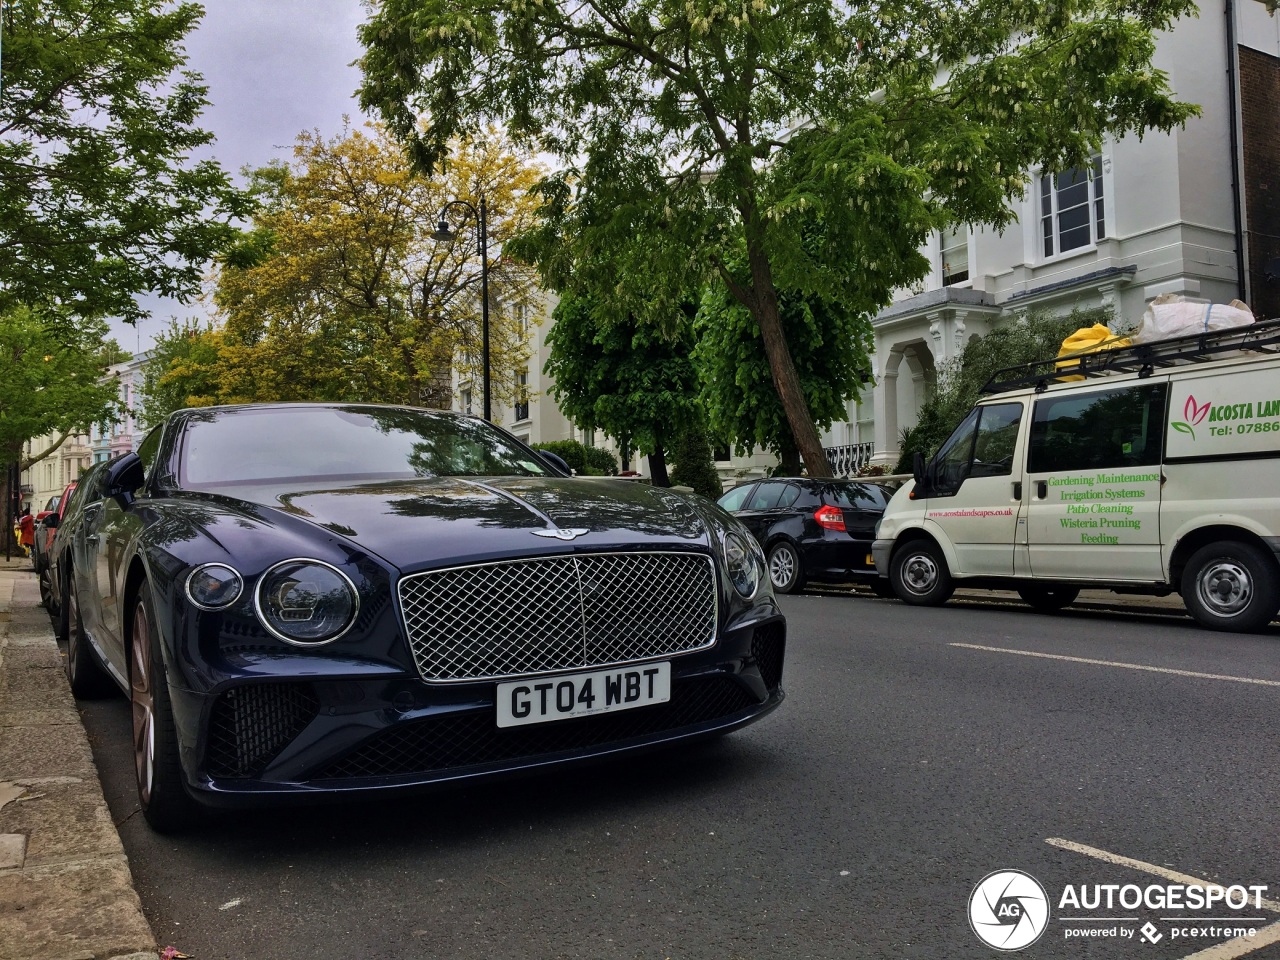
(784, 569)
(920, 575)
(1231, 586)
(1047, 597)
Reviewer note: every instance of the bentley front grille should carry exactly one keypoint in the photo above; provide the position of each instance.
(549, 614)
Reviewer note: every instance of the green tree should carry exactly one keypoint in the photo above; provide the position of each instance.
(694, 466)
(99, 200)
(182, 371)
(339, 291)
(51, 381)
(1030, 337)
(829, 347)
(637, 383)
(677, 127)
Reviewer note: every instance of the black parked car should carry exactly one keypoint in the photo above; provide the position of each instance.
(813, 529)
(320, 599)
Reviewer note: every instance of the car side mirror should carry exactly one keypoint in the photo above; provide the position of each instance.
(556, 461)
(50, 522)
(124, 477)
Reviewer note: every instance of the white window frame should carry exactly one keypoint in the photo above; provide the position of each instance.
(1046, 209)
(522, 395)
(964, 232)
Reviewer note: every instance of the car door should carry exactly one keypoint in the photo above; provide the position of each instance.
(1095, 483)
(976, 492)
(768, 505)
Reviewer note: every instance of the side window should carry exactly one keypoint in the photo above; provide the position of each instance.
(1123, 427)
(148, 449)
(997, 436)
(767, 495)
(734, 499)
(789, 496)
(952, 462)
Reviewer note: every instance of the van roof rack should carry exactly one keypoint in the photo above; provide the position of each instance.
(1262, 336)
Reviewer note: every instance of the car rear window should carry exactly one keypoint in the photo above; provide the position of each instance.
(854, 496)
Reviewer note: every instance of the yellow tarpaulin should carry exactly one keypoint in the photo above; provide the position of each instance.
(1088, 340)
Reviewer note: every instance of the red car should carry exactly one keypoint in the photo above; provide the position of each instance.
(40, 551)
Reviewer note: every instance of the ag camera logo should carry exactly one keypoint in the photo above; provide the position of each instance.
(1009, 910)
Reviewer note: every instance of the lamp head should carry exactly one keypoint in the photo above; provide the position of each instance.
(444, 233)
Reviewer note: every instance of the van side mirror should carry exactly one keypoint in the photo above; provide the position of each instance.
(917, 468)
(124, 477)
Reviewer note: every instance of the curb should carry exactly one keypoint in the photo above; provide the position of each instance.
(66, 892)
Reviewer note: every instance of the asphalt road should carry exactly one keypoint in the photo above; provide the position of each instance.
(853, 822)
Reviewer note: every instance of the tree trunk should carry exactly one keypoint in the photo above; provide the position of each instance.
(789, 454)
(658, 461)
(785, 379)
(10, 501)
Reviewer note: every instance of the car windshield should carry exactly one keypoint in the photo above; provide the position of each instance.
(272, 444)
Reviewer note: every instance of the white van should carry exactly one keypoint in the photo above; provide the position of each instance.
(1153, 469)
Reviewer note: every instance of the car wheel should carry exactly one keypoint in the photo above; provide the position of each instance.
(46, 589)
(919, 574)
(784, 569)
(1048, 597)
(164, 800)
(89, 681)
(1231, 586)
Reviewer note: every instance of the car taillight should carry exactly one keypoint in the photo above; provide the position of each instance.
(830, 518)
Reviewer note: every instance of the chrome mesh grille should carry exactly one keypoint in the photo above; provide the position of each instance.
(557, 613)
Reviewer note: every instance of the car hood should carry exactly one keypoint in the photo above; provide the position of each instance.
(433, 522)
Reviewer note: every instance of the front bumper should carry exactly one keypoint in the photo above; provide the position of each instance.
(252, 741)
(880, 551)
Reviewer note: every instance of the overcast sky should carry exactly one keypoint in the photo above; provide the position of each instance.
(274, 69)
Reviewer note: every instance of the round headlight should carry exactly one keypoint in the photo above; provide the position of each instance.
(306, 602)
(745, 567)
(213, 586)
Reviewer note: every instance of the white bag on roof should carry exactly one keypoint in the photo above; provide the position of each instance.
(1171, 315)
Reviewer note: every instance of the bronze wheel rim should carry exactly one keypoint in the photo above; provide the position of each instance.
(73, 631)
(142, 697)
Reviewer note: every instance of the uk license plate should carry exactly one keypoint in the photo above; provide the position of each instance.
(582, 694)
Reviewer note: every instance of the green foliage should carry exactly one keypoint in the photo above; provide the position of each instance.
(675, 128)
(584, 460)
(51, 380)
(1036, 336)
(830, 347)
(99, 200)
(633, 381)
(694, 466)
(182, 371)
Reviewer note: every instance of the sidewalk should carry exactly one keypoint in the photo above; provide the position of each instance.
(65, 888)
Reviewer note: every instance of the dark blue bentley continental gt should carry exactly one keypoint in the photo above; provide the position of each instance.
(305, 599)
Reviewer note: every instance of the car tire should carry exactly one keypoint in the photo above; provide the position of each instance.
(1048, 597)
(1231, 585)
(164, 800)
(919, 574)
(46, 590)
(785, 572)
(88, 679)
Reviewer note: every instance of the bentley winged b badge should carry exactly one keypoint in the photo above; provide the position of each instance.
(561, 533)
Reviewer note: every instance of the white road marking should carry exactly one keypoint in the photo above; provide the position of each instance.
(1172, 875)
(1227, 950)
(232, 903)
(1117, 663)
(1230, 949)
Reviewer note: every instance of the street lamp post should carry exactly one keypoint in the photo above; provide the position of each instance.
(445, 234)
